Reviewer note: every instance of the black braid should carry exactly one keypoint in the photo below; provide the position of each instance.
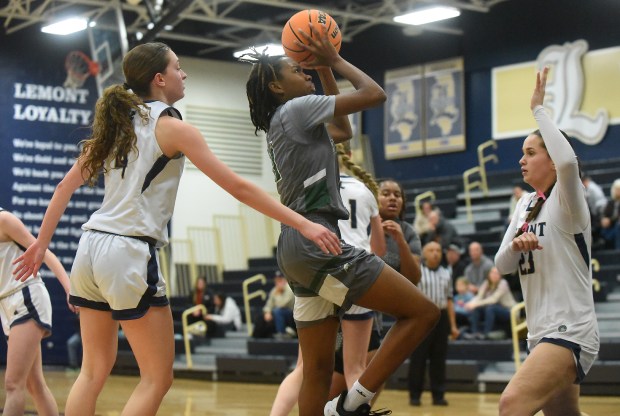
(534, 212)
(263, 103)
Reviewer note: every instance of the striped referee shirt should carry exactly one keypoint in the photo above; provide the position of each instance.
(436, 285)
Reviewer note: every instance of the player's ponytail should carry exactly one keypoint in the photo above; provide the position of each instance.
(113, 135)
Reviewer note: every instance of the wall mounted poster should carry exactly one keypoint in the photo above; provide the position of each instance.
(424, 113)
(403, 110)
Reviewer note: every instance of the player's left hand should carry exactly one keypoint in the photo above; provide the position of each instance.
(526, 242)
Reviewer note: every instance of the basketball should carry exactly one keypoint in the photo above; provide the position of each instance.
(300, 20)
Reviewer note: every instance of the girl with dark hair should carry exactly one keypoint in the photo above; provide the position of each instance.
(549, 243)
(404, 247)
(226, 316)
(301, 130)
(139, 142)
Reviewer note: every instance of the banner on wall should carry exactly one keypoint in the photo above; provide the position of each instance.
(582, 92)
(42, 124)
(361, 152)
(424, 113)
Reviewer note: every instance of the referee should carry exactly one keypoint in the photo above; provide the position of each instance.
(436, 284)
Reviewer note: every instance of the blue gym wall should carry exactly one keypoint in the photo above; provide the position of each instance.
(513, 32)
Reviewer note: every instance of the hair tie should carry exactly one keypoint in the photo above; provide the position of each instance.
(126, 86)
(524, 227)
(541, 195)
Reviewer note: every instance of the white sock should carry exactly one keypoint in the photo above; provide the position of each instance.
(357, 396)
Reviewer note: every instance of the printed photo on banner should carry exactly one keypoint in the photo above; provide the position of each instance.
(445, 109)
(403, 111)
(360, 145)
(425, 112)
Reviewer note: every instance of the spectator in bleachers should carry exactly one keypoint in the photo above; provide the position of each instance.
(461, 297)
(492, 303)
(436, 283)
(402, 242)
(594, 196)
(454, 261)
(441, 230)
(201, 295)
(479, 266)
(277, 316)
(421, 223)
(610, 221)
(597, 201)
(226, 316)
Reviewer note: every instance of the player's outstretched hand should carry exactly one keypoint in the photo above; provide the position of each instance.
(326, 240)
(539, 90)
(29, 263)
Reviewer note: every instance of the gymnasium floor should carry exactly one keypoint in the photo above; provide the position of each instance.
(206, 398)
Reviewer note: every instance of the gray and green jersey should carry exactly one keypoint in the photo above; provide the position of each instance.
(303, 156)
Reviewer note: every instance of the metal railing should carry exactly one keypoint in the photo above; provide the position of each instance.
(248, 296)
(234, 239)
(194, 328)
(208, 252)
(481, 171)
(183, 260)
(517, 324)
(417, 202)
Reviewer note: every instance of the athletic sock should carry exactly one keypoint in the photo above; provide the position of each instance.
(357, 396)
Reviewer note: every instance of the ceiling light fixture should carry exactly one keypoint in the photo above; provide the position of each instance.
(271, 50)
(66, 26)
(427, 15)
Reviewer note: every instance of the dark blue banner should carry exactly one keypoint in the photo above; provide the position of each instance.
(41, 125)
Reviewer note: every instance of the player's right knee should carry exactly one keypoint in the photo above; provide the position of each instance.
(508, 403)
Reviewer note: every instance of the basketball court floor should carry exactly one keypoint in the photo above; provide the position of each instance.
(208, 398)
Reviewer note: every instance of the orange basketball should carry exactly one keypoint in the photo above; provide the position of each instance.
(300, 20)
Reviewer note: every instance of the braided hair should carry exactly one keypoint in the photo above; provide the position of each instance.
(542, 198)
(343, 150)
(263, 103)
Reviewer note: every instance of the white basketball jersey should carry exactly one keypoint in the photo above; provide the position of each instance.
(557, 280)
(9, 251)
(362, 205)
(139, 197)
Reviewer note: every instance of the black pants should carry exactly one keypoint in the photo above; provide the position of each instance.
(433, 349)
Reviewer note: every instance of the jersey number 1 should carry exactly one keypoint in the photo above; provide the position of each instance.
(353, 213)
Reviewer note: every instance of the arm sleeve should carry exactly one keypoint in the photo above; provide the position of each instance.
(270, 302)
(227, 314)
(507, 260)
(569, 187)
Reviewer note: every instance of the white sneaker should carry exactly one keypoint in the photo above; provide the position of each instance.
(331, 406)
